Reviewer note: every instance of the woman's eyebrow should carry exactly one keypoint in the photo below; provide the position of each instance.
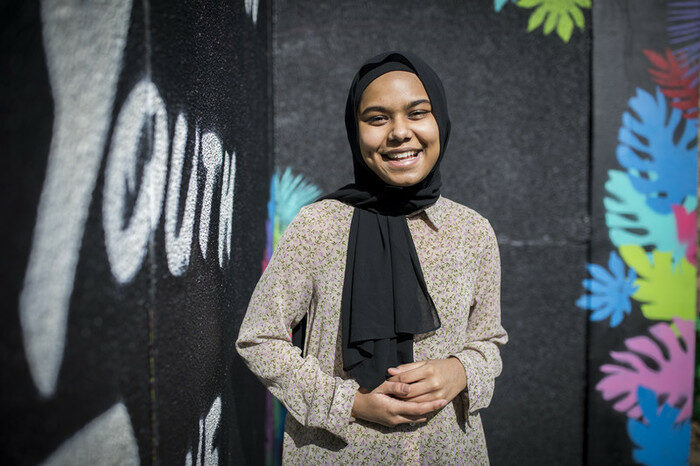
(383, 109)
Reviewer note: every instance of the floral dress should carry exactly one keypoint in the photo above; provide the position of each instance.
(460, 260)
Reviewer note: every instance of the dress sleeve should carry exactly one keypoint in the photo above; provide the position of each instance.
(279, 301)
(481, 356)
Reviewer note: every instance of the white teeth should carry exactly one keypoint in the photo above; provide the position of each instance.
(403, 155)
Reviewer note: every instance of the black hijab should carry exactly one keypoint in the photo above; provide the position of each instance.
(385, 300)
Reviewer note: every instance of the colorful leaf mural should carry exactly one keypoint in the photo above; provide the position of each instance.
(559, 14)
(288, 194)
(609, 291)
(644, 364)
(665, 290)
(631, 221)
(675, 81)
(660, 440)
(661, 165)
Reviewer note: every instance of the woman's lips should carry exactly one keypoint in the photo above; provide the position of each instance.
(407, 162)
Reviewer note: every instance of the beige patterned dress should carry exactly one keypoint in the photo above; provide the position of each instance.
(459, 256)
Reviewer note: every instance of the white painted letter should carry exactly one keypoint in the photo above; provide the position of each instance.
(126, 239)
(84, 44)
(178, 245)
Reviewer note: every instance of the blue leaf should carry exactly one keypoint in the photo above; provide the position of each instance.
(609, 293)
(658, 441)
(662, 169)
(599, 273)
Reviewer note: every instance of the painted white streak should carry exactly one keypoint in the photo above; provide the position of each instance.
(211, 158)
(226, 208)
(207, 429)
(107, 439)
(251, 8)
(178, 245)
(126, 240)
(84, 43)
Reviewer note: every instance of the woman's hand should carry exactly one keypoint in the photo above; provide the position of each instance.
(431, 379)
(382, 407)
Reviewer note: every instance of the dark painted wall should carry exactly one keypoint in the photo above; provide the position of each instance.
(518, 154)
(125, 274)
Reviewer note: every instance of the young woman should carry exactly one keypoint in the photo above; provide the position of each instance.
(400, 288)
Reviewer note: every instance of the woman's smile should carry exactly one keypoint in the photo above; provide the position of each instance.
(403, 158)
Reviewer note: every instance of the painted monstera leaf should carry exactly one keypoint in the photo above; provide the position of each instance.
(662, 165)
(559, 14)
(499, 4)
(288, 194)
(665, 291)
(609, 291)
(660, 440)
(670, 376)
(675, 81)
(631, 221)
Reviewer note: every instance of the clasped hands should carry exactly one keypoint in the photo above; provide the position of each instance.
(412, 392)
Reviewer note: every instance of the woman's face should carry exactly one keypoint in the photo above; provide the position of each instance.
(395, 119)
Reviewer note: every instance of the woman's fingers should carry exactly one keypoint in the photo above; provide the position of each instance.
(417, 389)
(411, 375)
(393, 388)
(405, 367)
(410, 408)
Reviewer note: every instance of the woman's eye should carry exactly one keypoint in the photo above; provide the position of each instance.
(374, 118)
(419, 113)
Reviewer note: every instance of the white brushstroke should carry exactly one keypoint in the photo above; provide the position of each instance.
(84, 43)
(178, 244)
(251, 9)
(126, 240)
(207, 428)
(226, 208)
(107, 439)
(211, 158)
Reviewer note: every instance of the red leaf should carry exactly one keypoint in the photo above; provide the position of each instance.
(671, 76)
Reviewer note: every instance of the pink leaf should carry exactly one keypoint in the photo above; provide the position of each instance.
(674, 376)
(687, 232)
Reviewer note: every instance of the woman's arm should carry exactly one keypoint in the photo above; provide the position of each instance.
(481, 356)
(279, 301)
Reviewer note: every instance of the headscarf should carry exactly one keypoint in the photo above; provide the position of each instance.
(385, 300)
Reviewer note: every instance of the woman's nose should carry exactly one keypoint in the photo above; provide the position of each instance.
(400, 130)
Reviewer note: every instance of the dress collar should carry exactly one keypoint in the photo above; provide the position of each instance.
(434, 212)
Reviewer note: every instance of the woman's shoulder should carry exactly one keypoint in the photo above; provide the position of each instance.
(322, 217)
(467, 220)
(463, 214)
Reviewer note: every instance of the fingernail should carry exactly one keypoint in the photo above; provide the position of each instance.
(404, 388)
(443, 403)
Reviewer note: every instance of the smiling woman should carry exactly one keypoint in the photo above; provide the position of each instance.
(399, 137)
(400, 287)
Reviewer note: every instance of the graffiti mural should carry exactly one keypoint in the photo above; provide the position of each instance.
(649, 203)
(149, 201)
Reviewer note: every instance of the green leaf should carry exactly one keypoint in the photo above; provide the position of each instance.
(536, 18)
(550, 23)
(565, 27)
(583, 3)
(528, 3)
(664, 292)
(578, 17)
